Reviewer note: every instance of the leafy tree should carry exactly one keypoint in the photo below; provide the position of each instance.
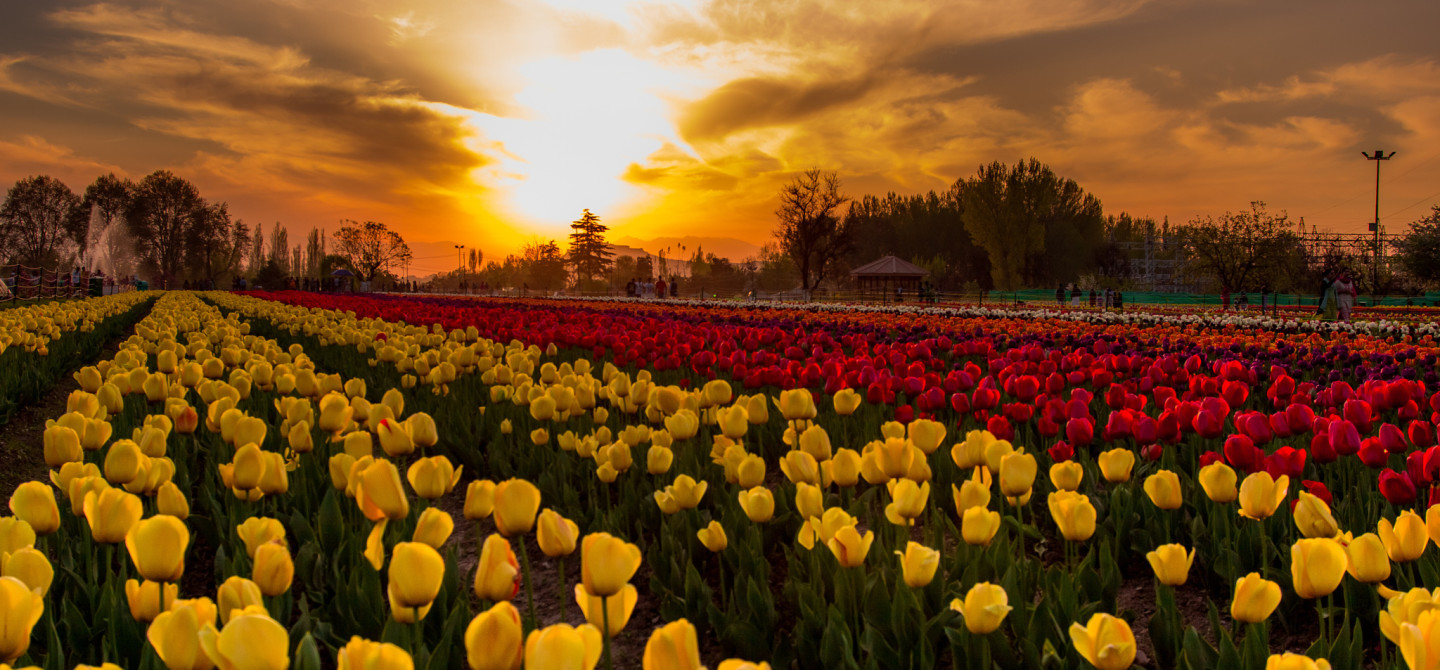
(811, 232)
(280, 248)
(105, 204)
(1419, 250)
(622, 272)
(776, 270)
(370, 247)
(164, 209)
(544, 266)
(1245, 250)
(644, 267)
(314, 251)
(33, 221)
(1034, 225)
(590, 256)
(209, 244)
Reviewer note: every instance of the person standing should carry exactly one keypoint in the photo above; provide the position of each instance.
(674, 287)
(1329, 302)
(1345, 296)
(660, 288)
(1060, 295)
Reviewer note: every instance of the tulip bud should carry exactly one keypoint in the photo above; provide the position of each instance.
(758, 503)
(918, 564)
(984, 608)
(1106, 642)
(273, 569)
(492, 640)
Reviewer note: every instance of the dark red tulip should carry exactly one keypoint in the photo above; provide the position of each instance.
(1392, 439)
(1415, 467)
(1210, 457)
(1358, 413)
(1372, 454)
(1235, 392)
(1344, 437)
(1146, 430)
(1320, 449)
(1280, 425)
(1000, 427)
(1019, 412)
(1168, 428)
(1119, 425)
(1026, 388)
(1207, 425)
(1152, 452)
(1061, 452)
(1047, 428)
(1397, 487)
(906, 414)
(960, 403)
(1301, 418)
(1242, 454)
(1080, 432)
(1319, 490)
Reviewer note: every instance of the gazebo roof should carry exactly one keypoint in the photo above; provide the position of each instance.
(889, 266)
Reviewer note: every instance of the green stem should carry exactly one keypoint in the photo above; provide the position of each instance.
(985, 662)
(605, 619)
(529, 585)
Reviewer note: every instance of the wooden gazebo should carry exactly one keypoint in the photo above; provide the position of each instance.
(878, 280)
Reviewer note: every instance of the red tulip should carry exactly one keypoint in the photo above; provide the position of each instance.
(1344, 437)
(1301, 418)
(1280, 424)
(1208, 425)
(1392, 439)
(1242, 454)
(1210, 457)
(1358, 412)
(1397, 487)
(1321, 450)
(1319, 490)
(1080, 432)
(1061, 452)
(1372, 454)
(1415, 467)
(1235, 392)
(1146, 430)
(1287, 461)
(1000, 427)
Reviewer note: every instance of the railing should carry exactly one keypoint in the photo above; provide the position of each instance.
(23, 282)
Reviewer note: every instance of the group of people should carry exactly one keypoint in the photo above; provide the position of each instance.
(18, 281)
(644, 288)
(1106, 300)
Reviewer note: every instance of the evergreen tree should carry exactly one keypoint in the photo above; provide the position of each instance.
(590, 255)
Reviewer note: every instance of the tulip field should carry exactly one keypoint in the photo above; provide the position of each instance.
(272, 480)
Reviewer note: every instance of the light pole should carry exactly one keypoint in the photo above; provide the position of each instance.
(1380, 155)
(460, 263)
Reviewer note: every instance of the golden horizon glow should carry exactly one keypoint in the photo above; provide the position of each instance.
(496, 122)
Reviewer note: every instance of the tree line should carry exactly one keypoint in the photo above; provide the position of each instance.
(161, 228)
(1023, 226)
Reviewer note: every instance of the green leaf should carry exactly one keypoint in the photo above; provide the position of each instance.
(307, 654)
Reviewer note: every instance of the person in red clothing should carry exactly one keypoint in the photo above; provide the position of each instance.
(660, 287)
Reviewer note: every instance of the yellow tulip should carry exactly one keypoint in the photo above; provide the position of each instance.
(683, 424)
(907, 502)
(380, 494)
(416, 571)
(796, 404)
(1261, 495)
(433, 477)
(620, 606)
(1163, 488)
(563, 647)
(363, 654)
(62, 445)
(273, 569)
(918, 564)
(658, 460)
(734, 421)
(844, 467)
(1017, 473)
(497, 574)
(972, 493)
(1313, 518)
(758, 503)
(30, 566)
(276, 478)
(257, 531)
(800, 467)
(809, 501)
(1066, 475)
(1367, 558)
(1106, 642)
(249, 467)
(335, 412)
(1420, 641)
(1289, 661)
(358, 444)
(750, 472)
(492, 640)
(248, 642)
(1171, 564)
(713, 537)
(607, 563)
(479, 499)
(516, 503)
(434, 527)
(22, 607)
(1218, 480)
(816, 442)
(394, 439)
(111, 513)
(849, 547)
(542, 408)
(340, 466)
(674, 646)
(1073, 514)
(157, 547)
(1406, 608)
(846, 401)
(144, 598)
(1316, 567)
(1116, 465)
(979, 525)
(1406, 540)
(686, 492)
(235, 596)
(985, 607)
(34, 502)
(557, 535)
(123, 462)
(175, 635)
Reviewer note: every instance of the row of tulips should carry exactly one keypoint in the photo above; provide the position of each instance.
(39, 343)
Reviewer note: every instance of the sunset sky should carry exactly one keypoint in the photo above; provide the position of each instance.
(491, 122)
